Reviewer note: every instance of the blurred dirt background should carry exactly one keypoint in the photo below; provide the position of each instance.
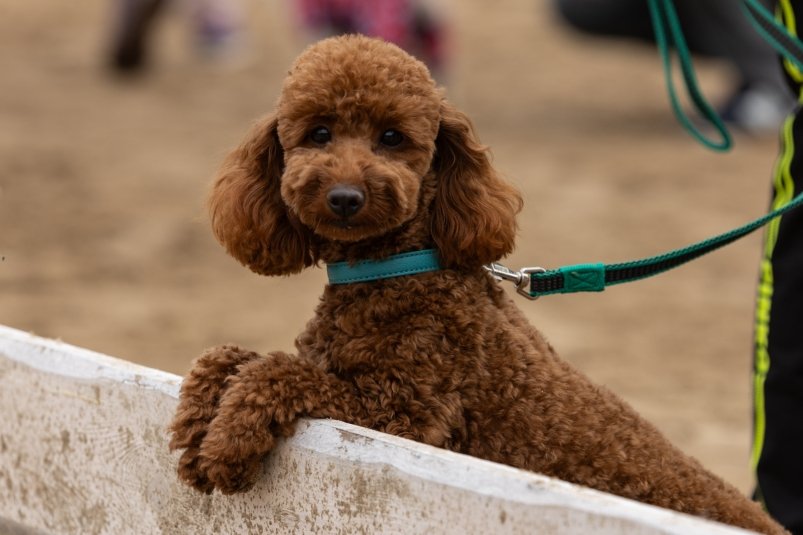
(105, 244)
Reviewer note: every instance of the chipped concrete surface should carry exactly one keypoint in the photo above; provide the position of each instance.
(83, 450)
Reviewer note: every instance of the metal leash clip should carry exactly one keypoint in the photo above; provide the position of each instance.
(520, 278)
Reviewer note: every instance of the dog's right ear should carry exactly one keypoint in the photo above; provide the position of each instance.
(248, 215)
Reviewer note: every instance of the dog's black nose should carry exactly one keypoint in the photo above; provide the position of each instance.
(345, 201)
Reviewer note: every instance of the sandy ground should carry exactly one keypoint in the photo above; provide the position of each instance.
(104, 242)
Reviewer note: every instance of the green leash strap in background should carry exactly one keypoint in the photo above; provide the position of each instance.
(668, 35)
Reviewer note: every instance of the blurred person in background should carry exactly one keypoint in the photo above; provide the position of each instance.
(414, 25)
(217, 26)
(715, 28)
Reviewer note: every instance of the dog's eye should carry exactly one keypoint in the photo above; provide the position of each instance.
(320, 135)
(391, 138)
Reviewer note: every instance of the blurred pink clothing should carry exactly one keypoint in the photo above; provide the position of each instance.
(402, 22)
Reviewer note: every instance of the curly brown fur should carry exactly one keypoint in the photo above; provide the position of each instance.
(445, 357)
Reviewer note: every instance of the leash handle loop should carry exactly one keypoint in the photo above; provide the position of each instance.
(668, 34)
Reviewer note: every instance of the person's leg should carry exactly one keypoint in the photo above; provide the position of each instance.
(778, 379)
(613, 18)
(778, 374)
(134, 22)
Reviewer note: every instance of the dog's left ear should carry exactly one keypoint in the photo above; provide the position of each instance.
(474, 210)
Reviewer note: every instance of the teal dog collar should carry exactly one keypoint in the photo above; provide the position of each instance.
(395, 266)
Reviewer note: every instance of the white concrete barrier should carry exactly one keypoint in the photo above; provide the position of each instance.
(83, 450)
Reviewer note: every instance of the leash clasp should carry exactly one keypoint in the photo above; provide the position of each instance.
(519, 278)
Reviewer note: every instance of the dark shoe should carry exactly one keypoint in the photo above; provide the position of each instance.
(135, 20)
(757, 108)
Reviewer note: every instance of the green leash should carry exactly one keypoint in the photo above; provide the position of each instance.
(596, 277)
(535, 282)
(669, 35)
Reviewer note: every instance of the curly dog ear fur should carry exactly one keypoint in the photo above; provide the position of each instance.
(249, 217)
(474, 211)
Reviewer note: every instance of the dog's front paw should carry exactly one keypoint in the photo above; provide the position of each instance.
(230, 456)
(227, 459)
(201, 391)
(228, 475)
(255, 409)
(190, 472)
(252, 408)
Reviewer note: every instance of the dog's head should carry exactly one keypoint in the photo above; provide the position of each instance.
(361, 146)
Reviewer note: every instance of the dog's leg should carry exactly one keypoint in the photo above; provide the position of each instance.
(262, 403)
(198, 403)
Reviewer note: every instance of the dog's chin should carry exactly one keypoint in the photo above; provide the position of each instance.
(349, 231)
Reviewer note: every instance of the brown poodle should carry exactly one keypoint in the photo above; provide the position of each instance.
(363, 159)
